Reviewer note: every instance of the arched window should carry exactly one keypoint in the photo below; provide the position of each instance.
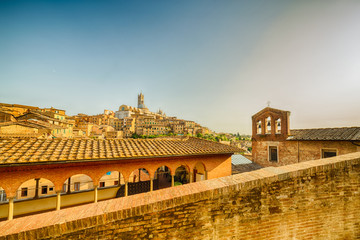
(268, 125)
(258, 127)
(278, 125)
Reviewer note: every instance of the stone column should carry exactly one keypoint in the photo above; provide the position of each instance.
(151, 184)
(126, 189)
(95, 193)
(58, 200)
(11, 208)
(191, 177)
(37, 188)
(172, 180)
(206, 175)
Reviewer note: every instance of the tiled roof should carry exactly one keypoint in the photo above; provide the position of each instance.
(16, 151)
(32, 124)
(41, 116)
(334, 134)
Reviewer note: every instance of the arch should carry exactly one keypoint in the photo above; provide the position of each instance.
(162, 177)
(3, 197)
(268, 125)
(111, 178)
(139, 175)
(278, 125)
(78, 183)
(139, 181)
(199, 172)
(35, 188)
(258, 127)
(182, 175)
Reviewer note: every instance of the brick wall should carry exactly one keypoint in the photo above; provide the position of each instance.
(317, 199)
(298, 151)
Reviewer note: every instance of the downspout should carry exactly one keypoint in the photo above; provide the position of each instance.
(298, 152)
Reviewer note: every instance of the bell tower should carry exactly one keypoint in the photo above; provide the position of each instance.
(141, 103)
(271, 124)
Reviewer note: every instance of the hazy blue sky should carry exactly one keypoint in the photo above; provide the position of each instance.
(215, 62)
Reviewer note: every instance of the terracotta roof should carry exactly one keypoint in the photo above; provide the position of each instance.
(41, 116)
(20, 135)
(334, 134)
(16, 151)
(32, 124)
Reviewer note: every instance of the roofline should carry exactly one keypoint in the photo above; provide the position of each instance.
(269, 108)
(323, 128)
(340, 140)
(106, 159)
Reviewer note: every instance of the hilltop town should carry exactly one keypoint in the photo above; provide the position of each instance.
(29, 121)
(21, 121)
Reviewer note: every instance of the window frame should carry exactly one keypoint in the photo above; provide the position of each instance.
(76, 186)
(44, 189)
(24, 192)
(323, 150)
(277, 154)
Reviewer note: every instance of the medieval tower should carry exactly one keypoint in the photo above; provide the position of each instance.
(141, 103)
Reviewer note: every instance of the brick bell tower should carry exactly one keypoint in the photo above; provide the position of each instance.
(270, 124)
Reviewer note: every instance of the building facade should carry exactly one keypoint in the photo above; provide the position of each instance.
(38, 174)
(274, 144)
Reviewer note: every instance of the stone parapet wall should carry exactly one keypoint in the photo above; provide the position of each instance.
(317, 199)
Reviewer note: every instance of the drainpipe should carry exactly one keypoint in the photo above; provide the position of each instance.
(37, 188)
(298, 152)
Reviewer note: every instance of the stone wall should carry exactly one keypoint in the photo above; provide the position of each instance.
(290, 152)
(317, 199)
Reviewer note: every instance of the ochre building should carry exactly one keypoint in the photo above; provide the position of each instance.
(274, 144)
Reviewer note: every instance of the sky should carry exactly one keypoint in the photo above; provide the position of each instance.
(211, 61)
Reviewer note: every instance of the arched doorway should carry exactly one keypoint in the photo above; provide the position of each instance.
(199, 172)
(35, 188)
(181, 175)
(139, 181)
(162, 178)
(78, 183)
